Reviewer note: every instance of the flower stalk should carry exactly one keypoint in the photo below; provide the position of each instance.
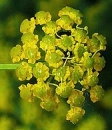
(8, 66)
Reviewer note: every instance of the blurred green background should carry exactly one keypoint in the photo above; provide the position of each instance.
(16, 114)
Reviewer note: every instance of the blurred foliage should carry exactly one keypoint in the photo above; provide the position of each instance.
(16, 114)
(89, 123)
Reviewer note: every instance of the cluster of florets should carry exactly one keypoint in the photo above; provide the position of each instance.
(63, 59)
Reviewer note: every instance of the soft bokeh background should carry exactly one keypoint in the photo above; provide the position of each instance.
(16, 114)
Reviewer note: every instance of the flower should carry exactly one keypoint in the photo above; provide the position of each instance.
(75, 114)
(47, 43)
(78, 51)
(96, 93)
(99, 62)
(76, 98)
(102, 40)
(74, 14)
(51, 28)
(76, 73)
(42, 17)
(31, 53)
(65, 22)
(65, 89)
(50, 103)
(24, 71)
(15, 53)
(41, 71)
(61, 73)
(54, 58)
(41, 90)
(26, 92)
(29, 39)
(90, 79)
(80, 35)
(65, 42)
(87, 61)
(27, 26)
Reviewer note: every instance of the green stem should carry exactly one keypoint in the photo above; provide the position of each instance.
(53, 84)
(8, 66)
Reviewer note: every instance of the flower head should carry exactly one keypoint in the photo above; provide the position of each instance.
(63, 59)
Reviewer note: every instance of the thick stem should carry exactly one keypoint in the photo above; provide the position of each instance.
(8, 66)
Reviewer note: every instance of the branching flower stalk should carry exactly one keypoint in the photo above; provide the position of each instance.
(63, 58)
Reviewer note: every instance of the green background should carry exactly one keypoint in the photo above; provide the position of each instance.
(16, 114)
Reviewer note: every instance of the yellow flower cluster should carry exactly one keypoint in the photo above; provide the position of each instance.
(65, 62)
